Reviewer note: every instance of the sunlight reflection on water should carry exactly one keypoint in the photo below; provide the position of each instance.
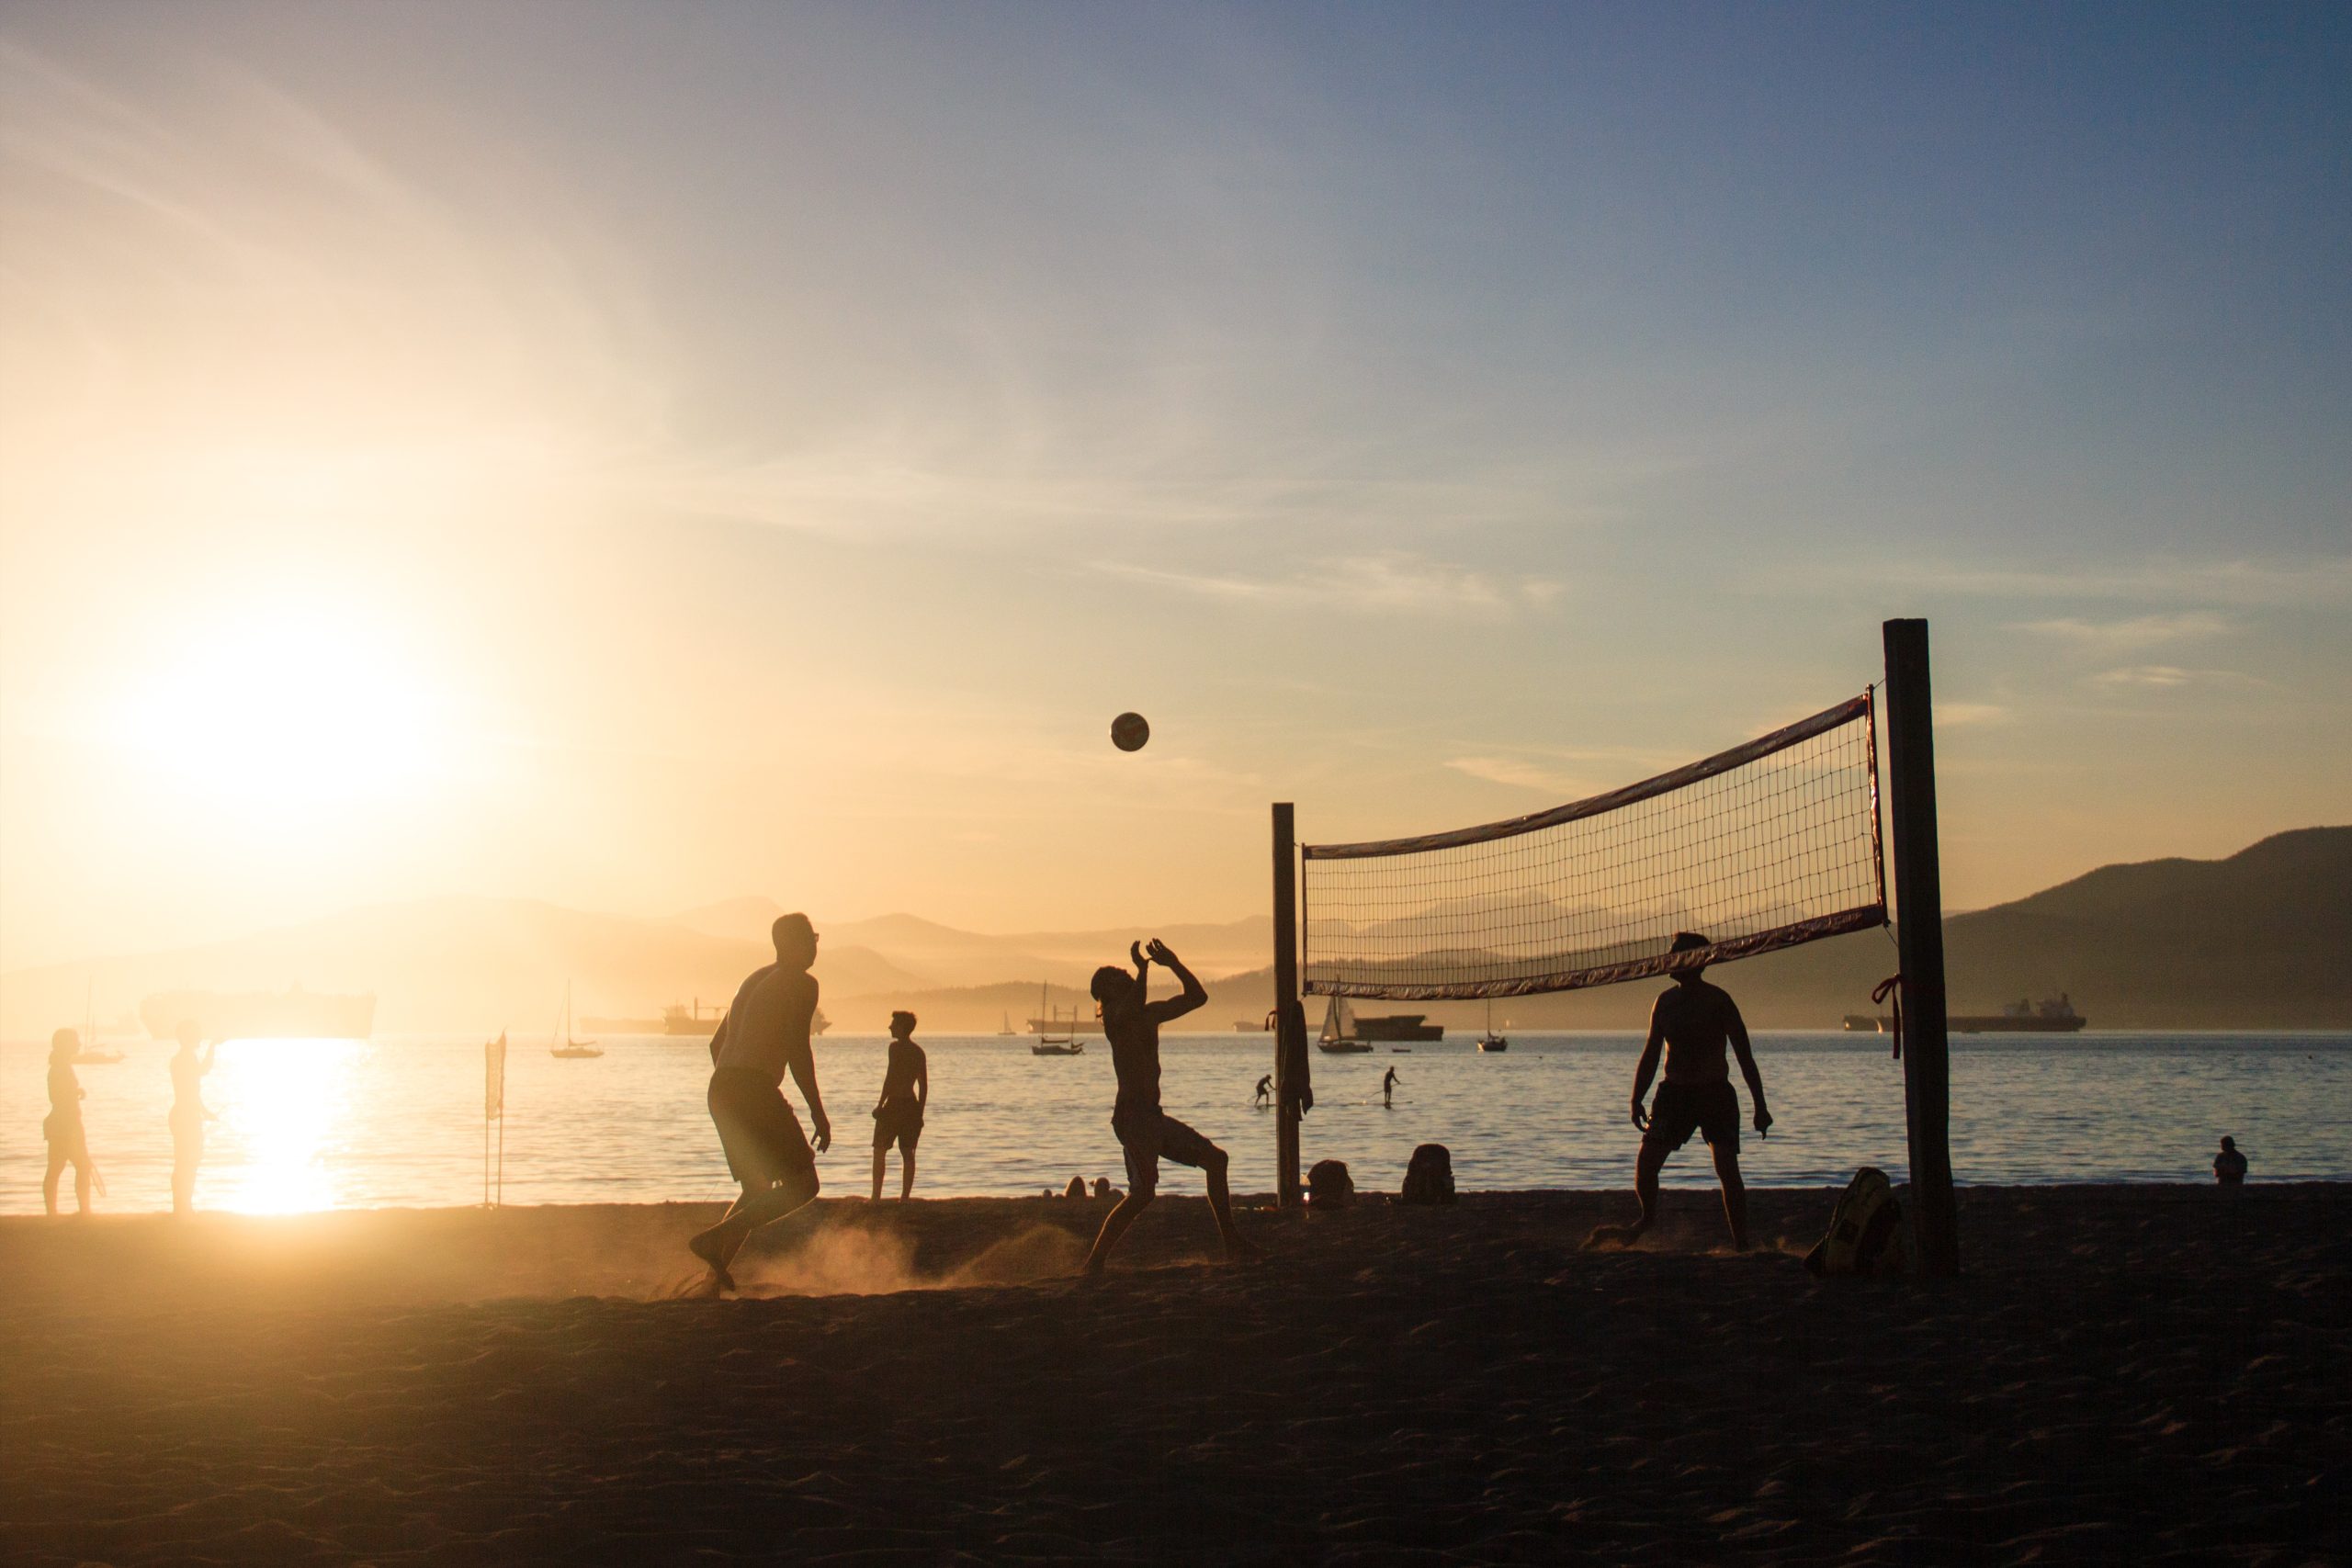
(309, 1125)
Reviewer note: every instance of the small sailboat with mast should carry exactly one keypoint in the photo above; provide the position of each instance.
(1050, 1042)
(571, 1048)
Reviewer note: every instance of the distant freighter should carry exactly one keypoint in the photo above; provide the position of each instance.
(679, 1018)
(297, 1014)
(2057, 1017)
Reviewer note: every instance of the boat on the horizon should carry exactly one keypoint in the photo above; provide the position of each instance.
(688, 1021)
(295, 1014)
(1345, 1033)
(1051, 1043)
(571, 1048)
(2053, 1015)
(1491, 1042)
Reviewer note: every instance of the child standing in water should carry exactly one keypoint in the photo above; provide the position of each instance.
(188, 1114)
(898, 1115)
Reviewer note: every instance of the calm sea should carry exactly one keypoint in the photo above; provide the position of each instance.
(398, 1120)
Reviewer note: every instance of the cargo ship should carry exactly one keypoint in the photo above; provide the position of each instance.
(2055, 1016)
(297, 1014)
(691, 1022)
(1344, 1031)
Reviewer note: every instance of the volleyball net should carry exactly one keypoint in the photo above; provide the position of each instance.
(1764, 846)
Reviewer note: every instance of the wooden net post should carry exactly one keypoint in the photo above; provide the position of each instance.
(1290, 1018)
(1919, 934)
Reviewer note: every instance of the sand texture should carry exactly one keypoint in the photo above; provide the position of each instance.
(2148, 1374)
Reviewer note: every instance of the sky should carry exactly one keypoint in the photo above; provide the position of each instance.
(635, 456)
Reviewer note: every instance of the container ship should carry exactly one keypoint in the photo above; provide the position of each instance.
(689, 1020)
(297, 1014)
(2056, 1016)
(1345, 1030)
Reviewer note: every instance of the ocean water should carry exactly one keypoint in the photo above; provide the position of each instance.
(398, 1120)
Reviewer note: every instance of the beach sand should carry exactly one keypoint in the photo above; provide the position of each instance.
(2125, 1374)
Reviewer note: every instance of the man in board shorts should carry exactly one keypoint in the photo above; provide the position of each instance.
(1146, 1134)
(898, 1115)
(765, 1033)
(1692, 1021)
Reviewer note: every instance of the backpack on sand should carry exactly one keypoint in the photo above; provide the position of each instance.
(1866, 1231)
(1428, 1176)
(1328, 1185)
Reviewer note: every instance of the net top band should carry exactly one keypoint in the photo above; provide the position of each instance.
(1846, 712)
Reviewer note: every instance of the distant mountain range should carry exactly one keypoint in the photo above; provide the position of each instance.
(2259, 940)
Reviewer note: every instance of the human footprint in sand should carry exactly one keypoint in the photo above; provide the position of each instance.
(1692, 1021)
(898, 1115)
(765, 1033)
(1147, 1134)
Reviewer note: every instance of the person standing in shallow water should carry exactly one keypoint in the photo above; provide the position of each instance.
(898, 1115)
(1388, 1089)
(764, 1035)
(1146, 1134)
(1692, 1022)
(69, 1143)
(188, 1114)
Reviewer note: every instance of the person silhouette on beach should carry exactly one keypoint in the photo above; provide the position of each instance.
(898, 1115)
(2229, 1166)
(765, 1035)
(1147, 1134)
(1388, 1089)
(1265, 1090)
(188, 1114)
(69, 1143)
(1692, 1021)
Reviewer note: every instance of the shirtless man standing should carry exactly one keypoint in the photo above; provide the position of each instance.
(1146, 1134)
(763, 1034)
(1693, 1022)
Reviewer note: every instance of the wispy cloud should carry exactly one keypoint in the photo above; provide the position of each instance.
(2323, 579)
(2128, 635)
(2168, 677)
(1519, 773)
(1963, 715)
(1397, 580)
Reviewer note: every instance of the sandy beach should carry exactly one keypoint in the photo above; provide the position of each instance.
(2125, 1374)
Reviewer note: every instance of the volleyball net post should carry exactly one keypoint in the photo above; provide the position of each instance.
(1919, 936)
(1771, 845)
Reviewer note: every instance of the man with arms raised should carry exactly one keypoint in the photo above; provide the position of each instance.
(1148, 1134)
(764, 1033)
(1693, 1022)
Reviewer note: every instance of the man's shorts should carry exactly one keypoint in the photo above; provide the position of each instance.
(762, 1138)
(1710, 1109)
(1153, 1135)
(892, 1127)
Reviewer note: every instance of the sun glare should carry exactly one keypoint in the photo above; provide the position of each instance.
(283, 1106)
(290, 708)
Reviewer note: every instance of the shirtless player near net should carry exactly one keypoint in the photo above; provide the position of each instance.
(1692, 1022)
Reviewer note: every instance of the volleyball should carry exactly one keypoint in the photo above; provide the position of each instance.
(1128, 732)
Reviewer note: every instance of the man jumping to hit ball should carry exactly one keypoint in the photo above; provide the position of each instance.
(1146, 1134)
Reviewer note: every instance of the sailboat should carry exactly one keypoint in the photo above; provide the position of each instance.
(1490, 1040)
(571, 1047)
(92, 1053)
(1339, 1034)
(1048, 1042)
(1008, 1028)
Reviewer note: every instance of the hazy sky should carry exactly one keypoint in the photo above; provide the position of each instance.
(633, 456)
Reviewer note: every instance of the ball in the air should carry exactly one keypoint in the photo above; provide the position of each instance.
(1128, 732)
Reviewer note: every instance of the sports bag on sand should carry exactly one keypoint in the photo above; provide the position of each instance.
(1428, 1176)
(1866, 1231)
(1328, 1185)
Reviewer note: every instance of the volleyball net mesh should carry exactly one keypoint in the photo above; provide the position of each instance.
(1765, 846)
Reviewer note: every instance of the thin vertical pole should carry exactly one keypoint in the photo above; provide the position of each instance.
(1919, 934)
(1290, 1019)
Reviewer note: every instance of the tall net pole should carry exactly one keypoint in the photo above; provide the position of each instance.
(1919, 934)
(1290, 1017)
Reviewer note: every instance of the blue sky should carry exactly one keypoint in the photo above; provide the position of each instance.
(758, 448)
